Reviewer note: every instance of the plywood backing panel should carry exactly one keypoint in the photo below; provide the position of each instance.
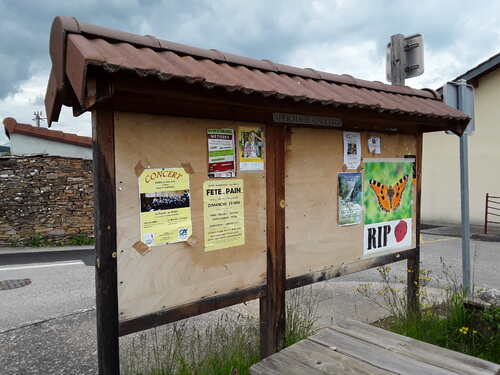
(313, 158)
(174, 274)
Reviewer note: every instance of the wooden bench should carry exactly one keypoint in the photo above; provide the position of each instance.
(353, 347)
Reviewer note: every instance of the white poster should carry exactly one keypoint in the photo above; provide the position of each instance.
(387, 235)
(374, 145)
(221, 153)
(352, 150)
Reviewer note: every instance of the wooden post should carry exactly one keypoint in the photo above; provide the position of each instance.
(105, 235)
(413, 263)
(272, 305)
(486, 215)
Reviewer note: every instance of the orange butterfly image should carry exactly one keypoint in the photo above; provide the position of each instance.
(389, 197)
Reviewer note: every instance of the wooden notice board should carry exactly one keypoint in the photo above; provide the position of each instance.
(313, 157)
(174, 274)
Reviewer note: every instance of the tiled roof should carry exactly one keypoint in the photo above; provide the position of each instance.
(76, 45)
(12, 127)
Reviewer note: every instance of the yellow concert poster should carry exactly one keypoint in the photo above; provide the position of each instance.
(223, 206)
(165, 206)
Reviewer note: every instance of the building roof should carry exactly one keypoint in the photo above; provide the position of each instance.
(12, 127)
(483, 68)
(77, 46)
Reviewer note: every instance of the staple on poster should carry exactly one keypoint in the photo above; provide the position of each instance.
(187, 167)
(141, 247)
(141, 166)
(191, 241)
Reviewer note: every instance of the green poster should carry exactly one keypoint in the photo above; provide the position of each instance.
(350, 203)
(388, 185)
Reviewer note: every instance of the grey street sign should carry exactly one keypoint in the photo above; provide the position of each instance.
(465, 103)
(404, 58)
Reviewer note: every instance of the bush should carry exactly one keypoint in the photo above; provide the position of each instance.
(448, 323)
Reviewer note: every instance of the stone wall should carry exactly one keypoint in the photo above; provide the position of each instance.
(45, 197)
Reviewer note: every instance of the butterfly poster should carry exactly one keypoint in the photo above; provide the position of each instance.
(350, 193)
(388, 204)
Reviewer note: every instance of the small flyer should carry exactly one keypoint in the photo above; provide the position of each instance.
(350, 197)
(251, 146)
(352, 150)
(221, 153)
(374, 145)
(165, 206)
(223, 208)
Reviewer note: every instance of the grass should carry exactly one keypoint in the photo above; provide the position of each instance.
(39, 241)
(456, 327)
(447, 323)
(226, 345)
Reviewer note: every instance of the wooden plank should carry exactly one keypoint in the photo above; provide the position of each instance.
(282, 363)
(105, 235)
(328, 361)
(189, 310)
(272, 306)
(262, 369)
(182, 273)
(347, 269)
(315, 241)
(421, 351)
(413, 263)
(375, 354)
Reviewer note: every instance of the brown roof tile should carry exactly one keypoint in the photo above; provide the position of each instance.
(12, 126)
(82, 45)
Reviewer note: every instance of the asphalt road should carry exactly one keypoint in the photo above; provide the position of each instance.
(61, 283)
(439, 251)
(61, 300)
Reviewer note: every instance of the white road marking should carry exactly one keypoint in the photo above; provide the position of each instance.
(42, 266)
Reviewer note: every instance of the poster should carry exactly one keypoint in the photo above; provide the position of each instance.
(251, 146)
(374, 145)
(388, 204)
(352, 150)
(350, 194)
(165, 206)
(223, 209)
(221, 153)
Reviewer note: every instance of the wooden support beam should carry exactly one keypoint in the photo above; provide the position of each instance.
(105, 234)
(413, 264)
(190, 309)
(272, 306)
(348, 268)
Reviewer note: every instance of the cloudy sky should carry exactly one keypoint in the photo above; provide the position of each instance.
(338, 36)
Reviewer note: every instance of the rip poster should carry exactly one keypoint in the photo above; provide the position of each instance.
(388, 204)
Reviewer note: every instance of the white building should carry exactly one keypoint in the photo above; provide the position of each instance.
(441, 164)
(30, 140)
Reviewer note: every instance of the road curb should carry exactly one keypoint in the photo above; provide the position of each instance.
(31, 250)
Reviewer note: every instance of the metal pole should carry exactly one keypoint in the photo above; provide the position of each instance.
(464, 191)
(486, 215)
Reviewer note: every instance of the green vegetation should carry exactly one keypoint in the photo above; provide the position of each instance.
(38, 241)
(456, 327)
(227, 345)
(447, 323)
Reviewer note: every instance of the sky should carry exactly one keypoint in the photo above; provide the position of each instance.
(337, 36)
